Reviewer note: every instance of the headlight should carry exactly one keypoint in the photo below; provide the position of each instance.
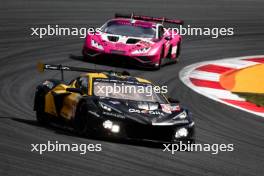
(96, 45)
(105, 107)
(182, 115)
(115, 128)
(182, 132)
(109, 108)
(108, 124)
(141, 51)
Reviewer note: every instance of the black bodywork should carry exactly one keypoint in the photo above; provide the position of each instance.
(158, 120)
(136, 119)
(137, 123)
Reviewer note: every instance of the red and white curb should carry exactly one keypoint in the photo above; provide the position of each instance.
(203, 78)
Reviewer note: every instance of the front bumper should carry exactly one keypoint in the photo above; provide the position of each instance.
(138, 131)
(147, 61)
(158, 133)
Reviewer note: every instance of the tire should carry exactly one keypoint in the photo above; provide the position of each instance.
(41, 116)
(174, 60)
(160, 59)
(39, 103)
(178, 52)
(80, 122)
(169, 53)
(85, 56)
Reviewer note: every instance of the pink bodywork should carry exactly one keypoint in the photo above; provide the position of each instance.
(156, 45)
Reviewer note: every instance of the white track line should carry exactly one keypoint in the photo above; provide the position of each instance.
(204, 75)
(237, 62)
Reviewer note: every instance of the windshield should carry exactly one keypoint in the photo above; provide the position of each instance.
(128, 29)
(126, 91)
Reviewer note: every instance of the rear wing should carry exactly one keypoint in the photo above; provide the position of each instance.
(42, 67)
(148, 18)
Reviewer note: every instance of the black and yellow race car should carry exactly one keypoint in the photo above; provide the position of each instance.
(97, 103)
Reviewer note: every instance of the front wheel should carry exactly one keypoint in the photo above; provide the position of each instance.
(178, 52)
(85, 56)
(158, 66)
(80, 122)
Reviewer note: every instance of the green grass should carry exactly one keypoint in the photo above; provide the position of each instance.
(255, 98)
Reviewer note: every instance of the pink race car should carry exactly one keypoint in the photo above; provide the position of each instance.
(139, 38)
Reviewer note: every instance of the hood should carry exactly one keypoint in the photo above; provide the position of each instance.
(141, 112)
(127, 39)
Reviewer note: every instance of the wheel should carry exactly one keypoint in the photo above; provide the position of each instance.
(86, 57)
(80, 122)
(41, 116)
(178, 52)
(169, 56)
(160, 59)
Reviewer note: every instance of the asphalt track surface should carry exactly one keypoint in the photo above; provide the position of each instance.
(216, 123)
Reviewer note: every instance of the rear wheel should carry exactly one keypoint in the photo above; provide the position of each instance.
(169, 55)
(41, 116)
(86, 57)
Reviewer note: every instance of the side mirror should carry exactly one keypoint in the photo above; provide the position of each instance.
(172, 100)
(75, 90)
(168, 38)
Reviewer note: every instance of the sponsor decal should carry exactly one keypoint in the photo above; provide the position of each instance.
(166, 108)
(145, 112)
(113, 114)
(94, 113)
(169, 108)
(114, 102)
(175, 108)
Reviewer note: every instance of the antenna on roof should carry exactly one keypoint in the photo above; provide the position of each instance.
(163, 19)
(132, 15)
